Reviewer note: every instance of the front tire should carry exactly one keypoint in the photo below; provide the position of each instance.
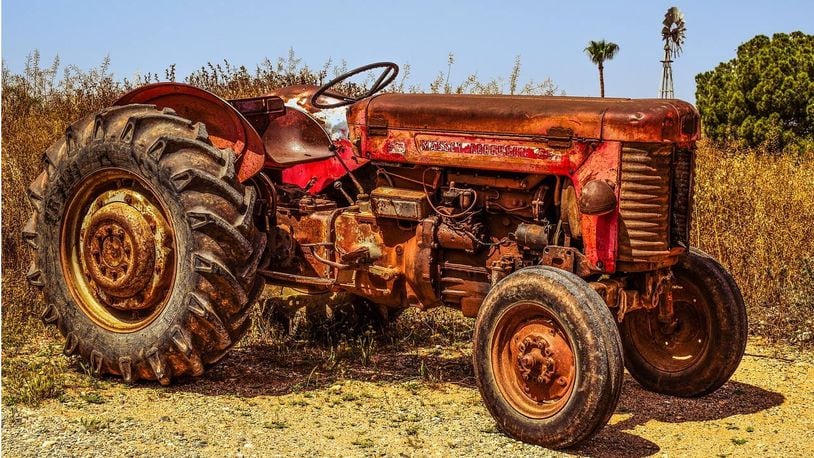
(547, 357)
(146, 248)
(708, 341)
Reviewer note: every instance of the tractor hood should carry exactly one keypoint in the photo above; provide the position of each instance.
(603, 119)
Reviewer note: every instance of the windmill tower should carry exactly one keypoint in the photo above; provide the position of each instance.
(673, 35)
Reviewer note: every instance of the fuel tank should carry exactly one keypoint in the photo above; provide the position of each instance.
(532, 134)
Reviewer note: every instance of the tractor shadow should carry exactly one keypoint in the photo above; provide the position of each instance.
(638, 406)
(263, 370)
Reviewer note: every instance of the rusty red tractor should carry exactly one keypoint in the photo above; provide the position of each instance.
(560, 223)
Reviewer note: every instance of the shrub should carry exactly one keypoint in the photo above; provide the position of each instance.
(764, 96)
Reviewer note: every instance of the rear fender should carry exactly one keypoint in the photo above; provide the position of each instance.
(226, 126)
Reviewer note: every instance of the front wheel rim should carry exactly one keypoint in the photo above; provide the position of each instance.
(533, 360)
(118, 250)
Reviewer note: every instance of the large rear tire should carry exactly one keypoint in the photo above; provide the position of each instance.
(547, 357)
(702, 351)
(146, 247)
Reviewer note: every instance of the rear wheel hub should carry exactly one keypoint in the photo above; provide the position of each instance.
(118, 250)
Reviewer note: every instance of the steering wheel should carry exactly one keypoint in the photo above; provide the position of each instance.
(389, 73)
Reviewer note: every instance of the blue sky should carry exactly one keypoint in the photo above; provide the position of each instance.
(148, 35)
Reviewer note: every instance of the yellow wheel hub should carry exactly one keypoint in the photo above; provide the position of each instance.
(117, 250)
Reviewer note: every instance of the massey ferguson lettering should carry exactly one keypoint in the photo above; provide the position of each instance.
(484, 149)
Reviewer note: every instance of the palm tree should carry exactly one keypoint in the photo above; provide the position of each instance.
(599, 52)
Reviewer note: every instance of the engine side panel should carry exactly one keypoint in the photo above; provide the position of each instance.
(547, 135)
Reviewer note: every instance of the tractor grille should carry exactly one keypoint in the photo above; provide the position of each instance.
(644, 203)
(683, 166)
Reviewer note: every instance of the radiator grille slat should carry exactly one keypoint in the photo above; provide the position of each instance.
(683, 172)
(644, 203)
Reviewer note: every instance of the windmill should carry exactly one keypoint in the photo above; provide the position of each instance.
(673, 35)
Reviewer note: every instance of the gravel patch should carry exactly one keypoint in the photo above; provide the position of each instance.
(417, 403)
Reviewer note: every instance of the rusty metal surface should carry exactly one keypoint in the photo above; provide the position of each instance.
(644, 208)
(399, 203)
(420, 262)
(333, 121)
(124, 250)
(550, 135)
(452, 238)
(569, 211)
(259, 111)
(117, 249)
(524, 182)
(565, 258)
(315, 176)
(533, 360)
(226, 127)
(533, 235)
(377, 258)
(597, 198)
(294, 138)
(512, 145)
(465, 293)
(314, 229)
(682, 196)
(651, 290)
(473, 151)
(664, 345)
(639, 120)
(600, 232)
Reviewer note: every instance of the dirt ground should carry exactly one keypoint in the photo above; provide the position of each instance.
(261, 401)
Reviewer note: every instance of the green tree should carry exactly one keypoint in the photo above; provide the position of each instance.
(599, 52)
(764, 96)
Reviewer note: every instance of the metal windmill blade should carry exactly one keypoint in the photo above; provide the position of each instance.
(673, 31)
(672, 14)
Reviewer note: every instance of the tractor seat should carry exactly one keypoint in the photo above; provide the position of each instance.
(295, 138)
